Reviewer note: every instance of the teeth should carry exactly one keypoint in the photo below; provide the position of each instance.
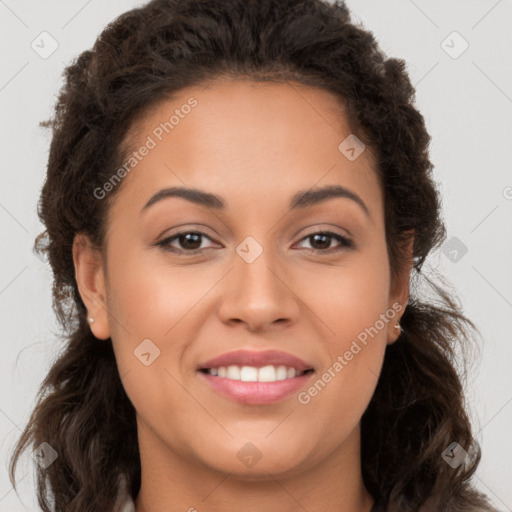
(252, 374)
(267, 374)
(290, 373)
(233, 372)
(281, 373)
(248, 374)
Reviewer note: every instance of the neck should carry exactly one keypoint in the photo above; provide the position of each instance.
(173, 483)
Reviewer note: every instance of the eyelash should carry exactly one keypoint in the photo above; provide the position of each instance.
(165, 244)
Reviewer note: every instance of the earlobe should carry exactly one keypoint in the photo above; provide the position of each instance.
(90, 278)
(400, 292)
(397, 330)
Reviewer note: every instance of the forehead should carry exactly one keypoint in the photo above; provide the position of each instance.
(247, 139)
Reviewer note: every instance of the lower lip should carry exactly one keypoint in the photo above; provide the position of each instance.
(256, 393)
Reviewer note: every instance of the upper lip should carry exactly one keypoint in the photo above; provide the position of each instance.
(256, 359)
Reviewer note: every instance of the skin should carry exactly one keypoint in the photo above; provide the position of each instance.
(255, 145)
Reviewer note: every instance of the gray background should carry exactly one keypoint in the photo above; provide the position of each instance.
(466, 100)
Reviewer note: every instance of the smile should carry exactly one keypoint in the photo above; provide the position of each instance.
(268, 373)
(255, 377)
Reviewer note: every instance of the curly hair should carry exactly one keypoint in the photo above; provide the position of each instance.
(141, 58)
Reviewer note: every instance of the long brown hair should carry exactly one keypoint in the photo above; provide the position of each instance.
(145, 55)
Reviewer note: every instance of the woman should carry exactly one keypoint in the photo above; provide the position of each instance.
(239, 197)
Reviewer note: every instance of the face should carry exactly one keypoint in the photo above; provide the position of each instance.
(291, 280)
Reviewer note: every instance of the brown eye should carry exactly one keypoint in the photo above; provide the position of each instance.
(187, 241)
(321, 241)
(190, 242)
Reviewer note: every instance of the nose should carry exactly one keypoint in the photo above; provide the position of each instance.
(259, 294)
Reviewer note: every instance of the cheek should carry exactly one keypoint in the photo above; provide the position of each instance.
(149, 298)
(152, 302)
(350, 297)
(352, 303)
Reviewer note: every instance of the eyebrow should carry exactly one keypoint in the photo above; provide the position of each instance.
(301, 199)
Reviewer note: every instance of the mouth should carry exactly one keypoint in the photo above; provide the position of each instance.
(269, 373)
(253, 378)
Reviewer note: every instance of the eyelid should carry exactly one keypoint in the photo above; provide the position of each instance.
(185, 228)
(346, 242)
(331, 229)
(325, 227)
(165, 242)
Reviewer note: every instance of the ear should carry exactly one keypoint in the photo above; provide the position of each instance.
(399, 294)
(90, 278)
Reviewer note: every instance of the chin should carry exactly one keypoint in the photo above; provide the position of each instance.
(241, 467)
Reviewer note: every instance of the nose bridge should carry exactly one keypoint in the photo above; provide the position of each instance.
(257, 293)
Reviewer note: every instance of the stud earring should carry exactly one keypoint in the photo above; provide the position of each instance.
(399, 327)
(90, 320)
